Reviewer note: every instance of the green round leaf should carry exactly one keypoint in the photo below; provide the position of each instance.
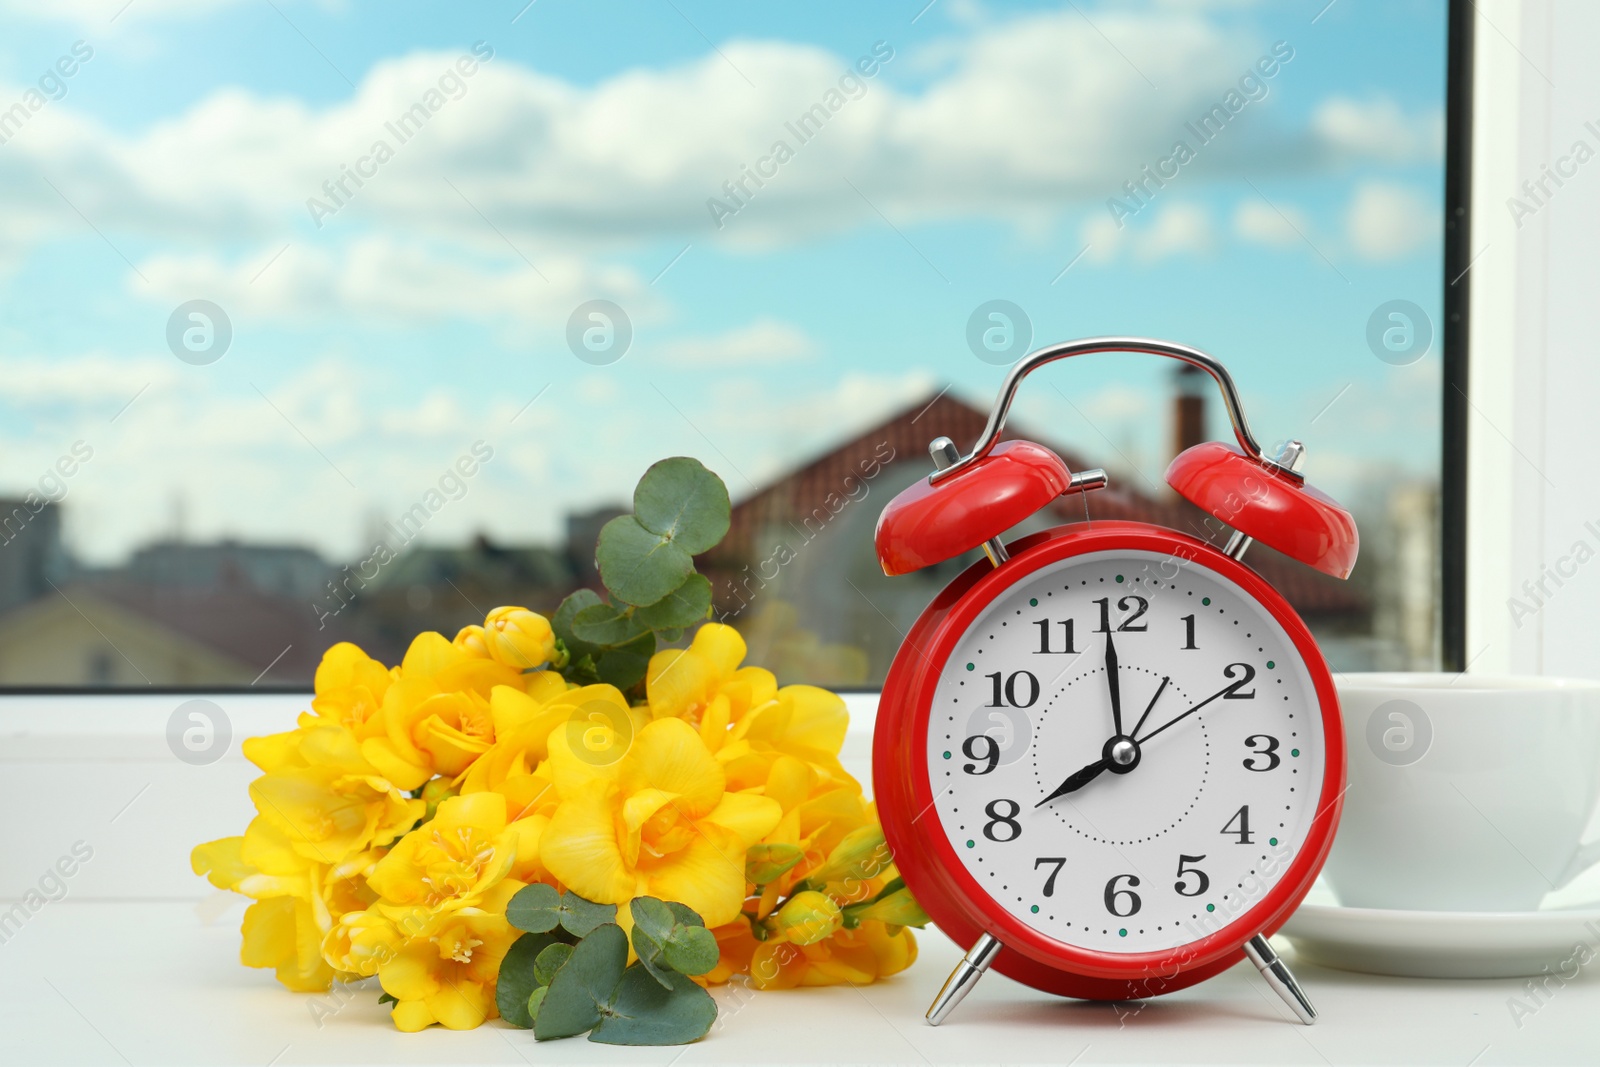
(692, 950)
(586, 981)
(645, 1012)
(517, 980)
(606, 625)
(638, 566)
(535, 908)
(621, 669)
(652, 916)
(648, 950)
(580, 917)
(680, 499)
(550, 961)
(561, 622)
(684, 606)
(535, 1000)
(685, 914)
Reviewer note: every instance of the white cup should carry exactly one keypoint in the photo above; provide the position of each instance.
(1466, 792)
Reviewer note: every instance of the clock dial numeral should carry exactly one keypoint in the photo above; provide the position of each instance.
(1242, 817)
(1233, 691)
(1188, 634)
(1029, 687)
(1044, 638)
(1000, 816)
(1269, 751)
(1050, 882)
(1113, 894)
(990, 753)
(1127, 623)
(1202, 880)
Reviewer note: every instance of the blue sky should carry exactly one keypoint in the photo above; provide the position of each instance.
(976, 164)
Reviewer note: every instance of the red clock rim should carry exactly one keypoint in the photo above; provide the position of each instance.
(938, 877)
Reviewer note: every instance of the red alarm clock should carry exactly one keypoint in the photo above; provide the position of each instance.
(1109, 759)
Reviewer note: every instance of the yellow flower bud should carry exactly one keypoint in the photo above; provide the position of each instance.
(860, 855)
(437, 790)
(807, 918)
(471, 639)
(518, 638)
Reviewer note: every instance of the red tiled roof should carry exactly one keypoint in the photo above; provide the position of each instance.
(905, 437)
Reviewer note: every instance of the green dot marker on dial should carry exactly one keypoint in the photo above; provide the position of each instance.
(1294, 752)
(1036, 909)
(1119, 578)
(1211, 907)
(947, 755)
(1123, 932)
(1272, 840)
(1033, 601)
(1206, 601)
(1270, 665)
(970, 667)
(970, 843)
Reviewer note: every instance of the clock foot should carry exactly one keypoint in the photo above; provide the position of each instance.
(1279, 977)
(963, 978)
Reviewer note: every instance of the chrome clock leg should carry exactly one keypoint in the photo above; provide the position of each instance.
(963, 978)
(1278, 976)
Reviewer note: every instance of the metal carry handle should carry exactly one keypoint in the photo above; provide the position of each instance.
(1148, 346)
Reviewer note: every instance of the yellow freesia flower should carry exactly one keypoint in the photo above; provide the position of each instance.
(436, 715)
(327, 800)
(350, 686)
(658, 822)
(857, 957)
(450, 862)
(704, 684)
(448, 975)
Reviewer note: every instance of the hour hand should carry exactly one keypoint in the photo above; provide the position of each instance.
(1077, 780)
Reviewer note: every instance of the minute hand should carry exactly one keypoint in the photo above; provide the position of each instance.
(1174, 721)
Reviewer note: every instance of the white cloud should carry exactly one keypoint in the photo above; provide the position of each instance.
(1377, 129)
(1259, 223)
(1178, 229)
(1028, 114)
(1388, 221)
(762, 343)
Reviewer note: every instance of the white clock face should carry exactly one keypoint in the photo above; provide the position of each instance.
(1160, 831)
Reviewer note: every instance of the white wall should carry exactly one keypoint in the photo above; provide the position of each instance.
(1534, 432)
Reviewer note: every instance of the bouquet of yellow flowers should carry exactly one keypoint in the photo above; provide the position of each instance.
(553, 822)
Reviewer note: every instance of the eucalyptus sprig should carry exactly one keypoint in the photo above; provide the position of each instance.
(646, 562)
(569, 973)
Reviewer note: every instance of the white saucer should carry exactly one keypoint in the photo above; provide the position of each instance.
(1445, 944)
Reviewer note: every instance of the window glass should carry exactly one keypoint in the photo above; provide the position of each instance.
(344, 321)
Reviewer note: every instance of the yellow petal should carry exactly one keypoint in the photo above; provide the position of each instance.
(220, 862)
(461, 1005)
(677, 681)
(429, 654)
(707, 878)
(746, 817)
(412, 1016)
(580, 849)
(669, 755)
(722, 647)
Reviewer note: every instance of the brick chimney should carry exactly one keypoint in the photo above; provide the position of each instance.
(1189, 407)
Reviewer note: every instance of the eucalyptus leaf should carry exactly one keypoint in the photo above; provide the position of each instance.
(387, 998)
(638, 566)
(535, 908)
(684, 606)
(621, 669)
(587, 980)
(606, 625)
(516, 981)
(686, 915)
(692, 949)
(535, 1001)
(679, 498)
(581, 917)
(550, 961)
(642, 1011)
(652, 916)
(561, 622)
(767, 863)
(651, 957)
